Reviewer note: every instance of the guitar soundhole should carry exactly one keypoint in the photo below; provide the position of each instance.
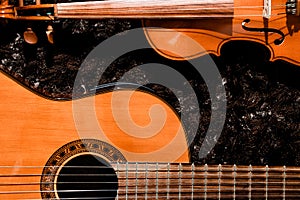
(87, 177)
(81, 170)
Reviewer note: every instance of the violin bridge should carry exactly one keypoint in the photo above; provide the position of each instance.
(267, 10)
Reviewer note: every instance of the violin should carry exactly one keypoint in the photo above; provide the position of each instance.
(177, 28)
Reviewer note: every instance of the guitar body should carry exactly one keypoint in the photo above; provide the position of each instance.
(34, 128)
(181, 39)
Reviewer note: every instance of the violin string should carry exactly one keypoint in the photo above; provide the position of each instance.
(233, 7)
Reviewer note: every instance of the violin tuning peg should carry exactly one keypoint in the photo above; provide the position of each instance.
(30, 36)
(49, 33)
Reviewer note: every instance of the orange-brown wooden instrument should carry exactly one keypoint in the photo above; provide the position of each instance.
(49, 152)
(274, 24)
(33, 128)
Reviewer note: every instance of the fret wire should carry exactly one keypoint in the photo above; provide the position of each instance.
(234, 181)
(219, 180)
(117, 173)
(284, 183)
(193, 171)
(179, 185)
(267, 174)
(126, 196)
(205, 181)
(168, 181)
(156, 180)
(146, 181)
(250, 181)
(136, 180)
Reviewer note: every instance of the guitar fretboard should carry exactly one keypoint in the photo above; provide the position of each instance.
(186, 181)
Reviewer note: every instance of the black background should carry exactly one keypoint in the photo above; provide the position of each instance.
(263, 98)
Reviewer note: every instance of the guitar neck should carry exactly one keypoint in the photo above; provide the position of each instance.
(146, 9)
(207, 182)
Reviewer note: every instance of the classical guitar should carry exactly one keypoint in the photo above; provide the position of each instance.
(187, 24)
(96, 148)
(51, 151)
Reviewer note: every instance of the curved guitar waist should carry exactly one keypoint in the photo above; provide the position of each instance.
(97, 148)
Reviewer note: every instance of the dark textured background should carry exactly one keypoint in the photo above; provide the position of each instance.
(263, 112)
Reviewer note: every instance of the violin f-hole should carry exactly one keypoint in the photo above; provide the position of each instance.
(265, 30)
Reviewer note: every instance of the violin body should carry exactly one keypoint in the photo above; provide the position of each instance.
(185, 30)
(192, 38)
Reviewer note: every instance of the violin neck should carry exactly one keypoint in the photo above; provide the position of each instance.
(145, 9)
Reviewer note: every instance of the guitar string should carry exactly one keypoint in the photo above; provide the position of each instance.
(175, 194)
(18, 174)
(289, 183)
(163, 196)
(114, 198)
(105, 174)
(257, 186)
(130, 170)
(213, 168)
(225, 183)
(153, 191)
(105, 198)
(184, 177)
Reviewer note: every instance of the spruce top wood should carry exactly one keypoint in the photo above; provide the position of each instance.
(44, 154)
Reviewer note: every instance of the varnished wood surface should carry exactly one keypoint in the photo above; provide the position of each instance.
(195, 28)
(187, 39)
(146, 9)
(33, 128)
(7, 11)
